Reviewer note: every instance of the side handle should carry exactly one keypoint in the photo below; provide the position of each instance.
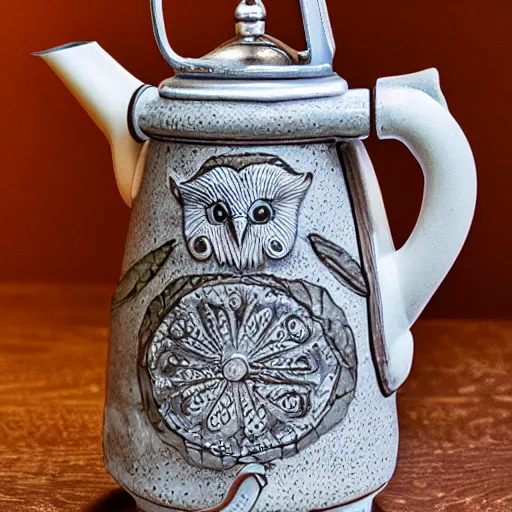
(412, 109)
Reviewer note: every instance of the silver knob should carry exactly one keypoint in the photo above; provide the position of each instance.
(251, 16)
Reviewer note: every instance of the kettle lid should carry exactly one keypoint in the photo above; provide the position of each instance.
(254, 65)
(252, 46)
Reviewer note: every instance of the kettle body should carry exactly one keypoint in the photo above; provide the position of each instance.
(261, 326)
(316, 457)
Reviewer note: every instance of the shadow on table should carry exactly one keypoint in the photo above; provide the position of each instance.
(116, 501)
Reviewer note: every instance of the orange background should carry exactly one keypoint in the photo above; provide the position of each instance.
(61, 218)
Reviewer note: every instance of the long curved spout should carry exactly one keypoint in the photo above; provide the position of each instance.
(104, 88)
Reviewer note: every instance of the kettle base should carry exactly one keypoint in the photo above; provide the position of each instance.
(362, 505)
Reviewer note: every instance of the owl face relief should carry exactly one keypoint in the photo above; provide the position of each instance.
(242, 209)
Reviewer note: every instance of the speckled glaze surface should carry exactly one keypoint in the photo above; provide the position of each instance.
(339, 116)
(359, 447)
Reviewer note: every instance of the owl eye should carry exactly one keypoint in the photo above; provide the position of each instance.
(218, 213)
(261, 212)
(201, 248)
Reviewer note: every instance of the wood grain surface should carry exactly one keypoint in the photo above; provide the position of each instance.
(455, 410)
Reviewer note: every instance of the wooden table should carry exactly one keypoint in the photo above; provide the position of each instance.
(456, 410)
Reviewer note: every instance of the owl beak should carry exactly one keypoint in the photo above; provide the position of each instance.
(239, 228)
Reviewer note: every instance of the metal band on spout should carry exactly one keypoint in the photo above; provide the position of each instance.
(318, 57)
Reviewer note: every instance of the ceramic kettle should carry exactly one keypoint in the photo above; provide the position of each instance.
(261, 326)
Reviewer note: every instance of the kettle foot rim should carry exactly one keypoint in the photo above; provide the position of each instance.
(364, 504)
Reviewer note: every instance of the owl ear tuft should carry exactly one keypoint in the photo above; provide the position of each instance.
(303, 183)
(175, 189)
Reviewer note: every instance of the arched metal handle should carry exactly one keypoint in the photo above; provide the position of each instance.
(320, 52)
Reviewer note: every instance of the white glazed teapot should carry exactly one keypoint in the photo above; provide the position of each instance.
(261, 326)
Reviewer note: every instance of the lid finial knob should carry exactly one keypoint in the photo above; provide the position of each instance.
(250, 16)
